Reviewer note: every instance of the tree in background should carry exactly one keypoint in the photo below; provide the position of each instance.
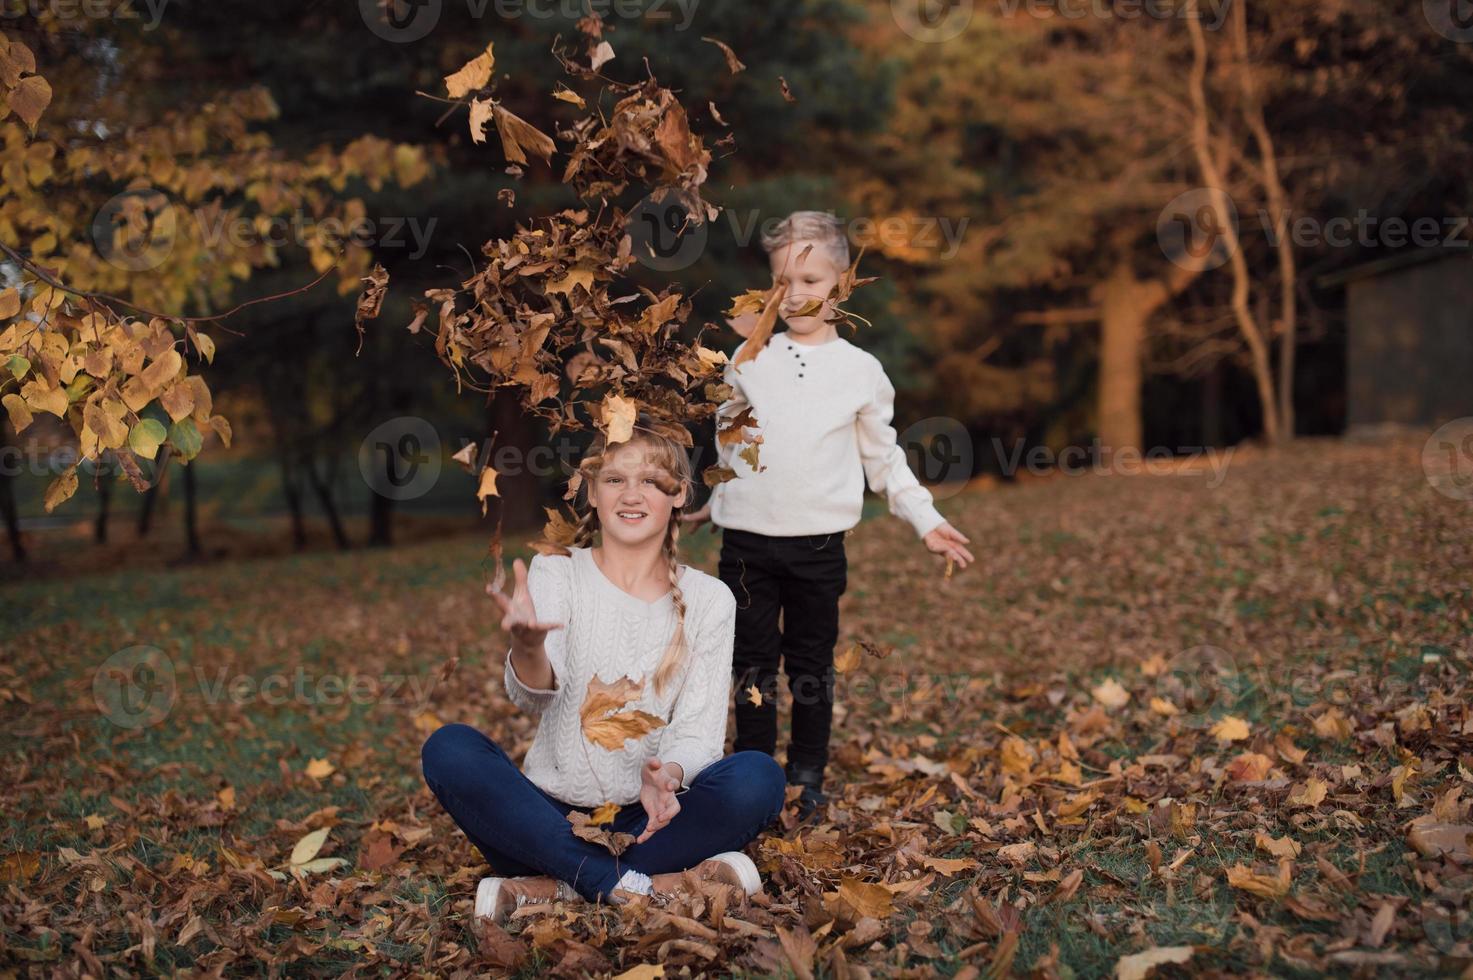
(1077, 144)
(113, 203)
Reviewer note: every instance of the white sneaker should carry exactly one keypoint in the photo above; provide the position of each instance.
(497, 898)
(739, 871)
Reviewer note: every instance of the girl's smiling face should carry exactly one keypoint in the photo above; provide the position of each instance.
(634, 495)
(811, 277)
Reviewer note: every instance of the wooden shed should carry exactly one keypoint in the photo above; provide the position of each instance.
(1409, 344)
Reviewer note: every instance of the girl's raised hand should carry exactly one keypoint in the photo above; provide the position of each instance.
(519, 617)
(657, 793)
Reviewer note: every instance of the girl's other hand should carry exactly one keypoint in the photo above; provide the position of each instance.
(948, 542)
(519, 617)
(657, 793)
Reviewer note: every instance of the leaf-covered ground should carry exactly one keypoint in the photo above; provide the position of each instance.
(1230, 725)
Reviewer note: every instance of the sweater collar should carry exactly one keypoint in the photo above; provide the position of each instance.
(586, 556)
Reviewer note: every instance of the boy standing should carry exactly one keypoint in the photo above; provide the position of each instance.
(823, 409)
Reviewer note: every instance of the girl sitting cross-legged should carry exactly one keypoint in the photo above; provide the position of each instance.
(623, 607)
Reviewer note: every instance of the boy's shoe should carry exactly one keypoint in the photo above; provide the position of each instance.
(731, 868)
(497, 898)
(813, 799)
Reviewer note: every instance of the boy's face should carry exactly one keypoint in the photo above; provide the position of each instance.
(632, 507)
(809, 277)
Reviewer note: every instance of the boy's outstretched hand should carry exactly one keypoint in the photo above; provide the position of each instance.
(657, 793)
(743, 324)
(694, 520)
(950, 543)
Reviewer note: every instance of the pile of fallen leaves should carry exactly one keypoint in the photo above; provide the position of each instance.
(1165, 725)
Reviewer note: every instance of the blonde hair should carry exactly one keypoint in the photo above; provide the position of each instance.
(668, 453)
(810, 226)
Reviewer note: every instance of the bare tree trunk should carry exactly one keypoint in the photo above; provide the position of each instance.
(1212, 175)
(380, 520)
(1126, 304)
(155, 490)
(323, 489)
(291, 492)
(191, 517)
(521, 488)
(104, 500)
(1212, 406)
(8, 507)
(1278, 213)
(1123, 314)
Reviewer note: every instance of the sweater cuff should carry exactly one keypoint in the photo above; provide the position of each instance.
(924, 517)
(533, 698)
(691, 759)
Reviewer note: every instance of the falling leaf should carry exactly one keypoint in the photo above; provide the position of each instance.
(518, 135)
(787, 91)
(733, 64)
(487, 488)
(603, 814)
(762, 332)
(619, 414)
(605, 723)
(566, 94)
(847, 659)
(601, 55)
(754, 696)
(473, 75)
(584, 829)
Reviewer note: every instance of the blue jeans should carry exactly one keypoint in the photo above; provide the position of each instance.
(522, 830)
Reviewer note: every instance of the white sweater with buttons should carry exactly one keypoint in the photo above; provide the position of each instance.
(610, 634)
(823, 412)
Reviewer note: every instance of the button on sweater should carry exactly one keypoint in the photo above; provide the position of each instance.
(608, 633)
(824, 414)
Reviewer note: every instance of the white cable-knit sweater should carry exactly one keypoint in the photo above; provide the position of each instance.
(824, 414)
(610, 634)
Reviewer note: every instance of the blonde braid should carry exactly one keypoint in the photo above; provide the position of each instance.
(675, 652)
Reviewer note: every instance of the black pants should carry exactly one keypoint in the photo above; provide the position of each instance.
(800, 578)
